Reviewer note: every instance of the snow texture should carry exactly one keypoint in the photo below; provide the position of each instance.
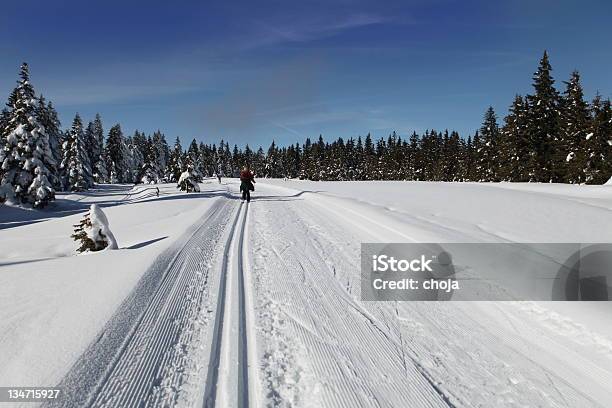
(311, 341)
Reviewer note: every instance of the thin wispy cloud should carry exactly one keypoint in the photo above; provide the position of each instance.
(96, 94)
(152, 77)
(288, 129)
(301, 30)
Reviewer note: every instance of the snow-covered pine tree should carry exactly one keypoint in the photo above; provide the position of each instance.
(24, 172)
(414, 154)
(136, 146)
(207, 160)
(355, 161)
(331, 161)
(369, 157)
(259, 161)
(452, 158)
(236, 161)
(571, 152)
(222, 160)
(93, 232)
(95, 133)
(437, 161)
(48, 118)
(98, 133)
(543, 123)
(516, 148)
(323, 156)
(306, 165)
(4, 120)
(101, 174)
(474, 171)
(406, 164)
(388, 160)
(228, 169)
(75, 164)
(117, 156)
(140, 142)
(598, 144)
(175, 165)
(150, 172)
(466, 164)
(93, 149)
(162, 153)
(195, 161)
(297, 163)
(488, 159)
(429, 155)
(112, 174)
(6, 113)
(271, 161)
(146, 175)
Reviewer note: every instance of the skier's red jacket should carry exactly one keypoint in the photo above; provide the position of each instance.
(246, 175)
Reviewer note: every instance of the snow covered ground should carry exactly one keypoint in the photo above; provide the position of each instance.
(52, 302)
(210, 301)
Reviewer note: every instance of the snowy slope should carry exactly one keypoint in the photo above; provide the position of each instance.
(53, 303)
(479, 212)
(259, 303)
(476, 353)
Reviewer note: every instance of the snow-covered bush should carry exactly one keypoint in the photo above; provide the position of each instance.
(93, 232)
(188, 183)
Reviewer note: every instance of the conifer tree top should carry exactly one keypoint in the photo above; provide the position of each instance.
(24, 72)
(543, 80)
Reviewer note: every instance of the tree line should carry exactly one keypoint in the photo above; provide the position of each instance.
(547, 136)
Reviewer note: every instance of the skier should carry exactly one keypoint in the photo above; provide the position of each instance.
(247, 179)
(219, 173)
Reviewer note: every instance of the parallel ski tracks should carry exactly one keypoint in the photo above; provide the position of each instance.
(197, 304)
(151, 361)
(221, 388)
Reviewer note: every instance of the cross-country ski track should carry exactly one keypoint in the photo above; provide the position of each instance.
(257, 305)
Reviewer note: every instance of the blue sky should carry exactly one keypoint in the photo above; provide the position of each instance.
(254, 71)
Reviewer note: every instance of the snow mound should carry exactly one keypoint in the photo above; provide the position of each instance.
(100, 229)
(187, 182)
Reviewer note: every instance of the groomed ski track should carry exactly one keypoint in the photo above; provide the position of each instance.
(258, 306)
(227, 380)
(189, 344)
